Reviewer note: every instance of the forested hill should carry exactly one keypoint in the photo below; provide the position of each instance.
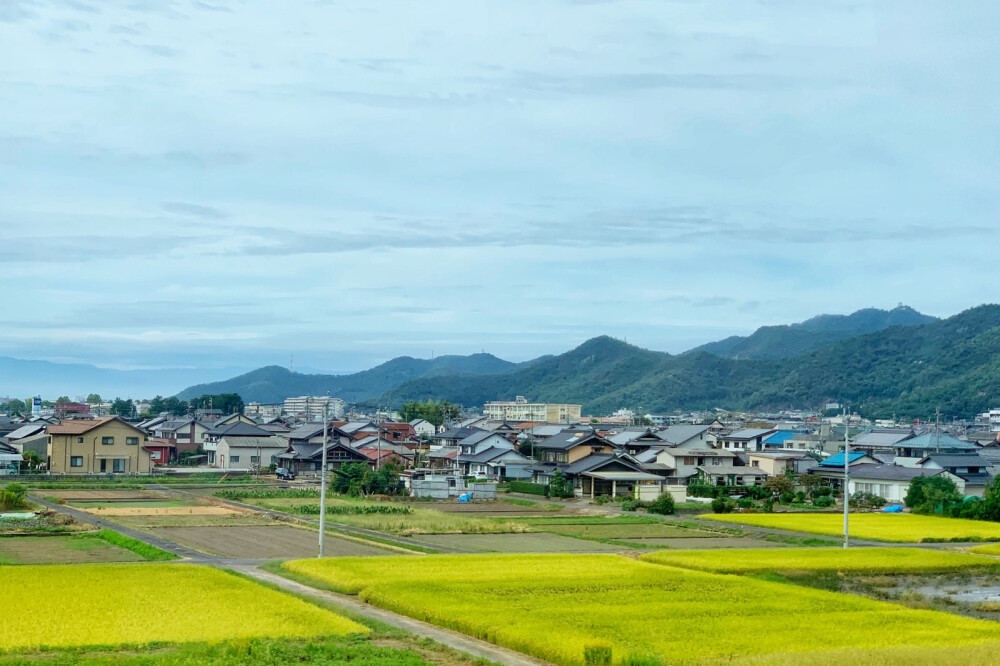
(774, 342)
(910, 370)
(272, 384)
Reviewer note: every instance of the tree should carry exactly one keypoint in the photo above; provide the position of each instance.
(94, 399)
(663, 505)
(432, 412)
(229, 403)
(811, 482)
(14, 407)
(358, 480)
(560, 486)
(932, 494)
(63, 399)
(121, 407)
(779, 485)
(989, 508)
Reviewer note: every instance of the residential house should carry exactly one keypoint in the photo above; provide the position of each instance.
(614, 474)
(106, 445)
(307, 458)
(453, 436)
(382, 452)
(748, 439)
(497, 464)
(832, 469)
(910, 452)
(729, 475)
(778, 439)
(688, 436)
(161, 451)
(882, 440)
(186, 433)
(423, 428)
(572, 445)
(970, 467)
(29, 437)
(778, 462)
(892, 481)
(236, 433)
(10, 460)
(248, 453)
(398, 432)
(679, 465)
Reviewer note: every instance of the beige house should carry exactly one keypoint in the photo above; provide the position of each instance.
(248, 453)
(97, 446)
(775, 463)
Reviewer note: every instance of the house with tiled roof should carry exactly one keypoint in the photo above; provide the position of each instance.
(106, 445)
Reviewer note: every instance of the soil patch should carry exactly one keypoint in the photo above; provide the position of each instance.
(263, 542)
(161, 511)
(82, 548)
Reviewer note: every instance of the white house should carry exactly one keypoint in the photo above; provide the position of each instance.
(423, 428)
(892, 481)
(245, 453)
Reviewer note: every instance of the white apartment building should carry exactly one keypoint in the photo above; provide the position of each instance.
(311, 407)
(995, 420)
(520, 409)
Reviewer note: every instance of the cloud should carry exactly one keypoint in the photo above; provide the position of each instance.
(193, 210)
(15, 11)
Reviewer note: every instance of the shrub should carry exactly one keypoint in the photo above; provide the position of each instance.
(12, 497)
(768, 506)
(787, 498)
(800, 497)
(270, 493)
(721, 505)
(744, 503)
(822, 491)
(663, 505)
(867, 501)
(823, 501)
(631, 504)
(529, 488)
(353, 509)
(560, 486)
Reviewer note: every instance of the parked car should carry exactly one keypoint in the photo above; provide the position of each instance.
(284, 473)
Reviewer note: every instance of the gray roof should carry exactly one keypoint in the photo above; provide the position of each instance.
(476, 437)
(306, 431)
(547, 430)
(256, 442)
(240, 429)
(678, 434)
(352, 427)
(749, 433)
(881, 438)
(931, 441)
(597, 460)
(957, 459)
(890, 472)
(25, 431)
(458, 433)
(569, 439)
(490, 454)
(738, 470)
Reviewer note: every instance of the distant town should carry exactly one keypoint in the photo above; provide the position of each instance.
(615, 455)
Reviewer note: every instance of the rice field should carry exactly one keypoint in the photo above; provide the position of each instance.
(902, 528)
(989, 549)
(556, 607)
(419, 521)
(108, 605)
(852, 560)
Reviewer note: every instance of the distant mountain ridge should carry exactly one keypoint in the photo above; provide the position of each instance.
(785, 341)
(910, 370)
(272, 384)
(22, 378)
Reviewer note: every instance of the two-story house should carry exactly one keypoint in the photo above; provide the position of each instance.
(107, 445)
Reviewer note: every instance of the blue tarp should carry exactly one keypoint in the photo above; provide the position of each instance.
(894, 508)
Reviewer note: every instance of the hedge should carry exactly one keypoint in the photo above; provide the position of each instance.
(528, 488)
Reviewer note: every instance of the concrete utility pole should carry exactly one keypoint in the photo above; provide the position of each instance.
(322, 481)
(847, 460)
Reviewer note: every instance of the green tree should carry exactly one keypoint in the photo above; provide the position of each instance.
(989, 508)
(431, 411)
(779, 485)
(15, 407)
(811, 482)
(121, 407)
(359, 480)
(94, 399)
(663, 505)
(560, 486)
(229, 403)
(63, 399)
(932, 494)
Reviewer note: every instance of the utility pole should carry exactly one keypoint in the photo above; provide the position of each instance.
(847, 462)
(322, 480)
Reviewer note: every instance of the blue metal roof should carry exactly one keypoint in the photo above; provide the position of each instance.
(783, 436)
(837, 459)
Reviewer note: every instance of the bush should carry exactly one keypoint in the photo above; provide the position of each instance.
(721, 505)
(663, 505)
(352, 509)
(787, 498)
(800, 497)
(822, 491)
(529, 488)
(744, 503)
(768, 506)
(867, 501)
(12, 497)
(823, 501)
(631, 504)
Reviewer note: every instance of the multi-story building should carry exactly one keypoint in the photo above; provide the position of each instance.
(995, 420)
(262, 411)
(311, 407)
(97, 446)
(521, 410)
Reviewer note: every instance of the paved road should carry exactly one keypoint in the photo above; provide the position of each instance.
(453, 639)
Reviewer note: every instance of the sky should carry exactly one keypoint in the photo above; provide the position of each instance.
(231, 183)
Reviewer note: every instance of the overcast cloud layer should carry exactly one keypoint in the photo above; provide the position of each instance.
(229, 182)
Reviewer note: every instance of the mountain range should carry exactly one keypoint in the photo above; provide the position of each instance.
(881, 361)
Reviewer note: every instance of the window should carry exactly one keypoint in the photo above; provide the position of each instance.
(254, 460)
(79, 440)
(76, 461)
(133, 441)
(118, 465)
(234, 459)
(755, 463)
(107, 440)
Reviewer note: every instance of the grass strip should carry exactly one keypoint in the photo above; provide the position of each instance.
(141, 548)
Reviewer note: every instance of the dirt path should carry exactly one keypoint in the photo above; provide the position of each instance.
(452, 639)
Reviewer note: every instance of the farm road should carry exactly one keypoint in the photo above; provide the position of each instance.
(453, 639)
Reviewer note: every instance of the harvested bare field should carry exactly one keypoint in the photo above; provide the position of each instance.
(77, 549)
(161, 511)
(518, 543)
(263, 542)
(103, 495)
